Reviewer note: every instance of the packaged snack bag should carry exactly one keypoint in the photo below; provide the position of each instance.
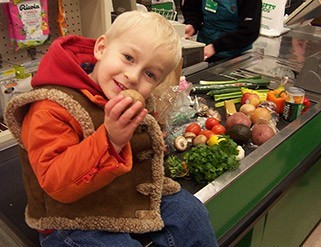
(7, 14)
(29, 20)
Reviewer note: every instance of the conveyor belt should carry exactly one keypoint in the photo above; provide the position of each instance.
(13, 200)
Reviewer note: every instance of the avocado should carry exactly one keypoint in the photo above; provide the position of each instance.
(240, 133)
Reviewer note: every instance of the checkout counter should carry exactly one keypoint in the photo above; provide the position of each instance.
(272, 199)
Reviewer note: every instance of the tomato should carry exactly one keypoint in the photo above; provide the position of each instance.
(219, 129)
(193, 127)
(306, 105)
(207, 133)
(210, 122)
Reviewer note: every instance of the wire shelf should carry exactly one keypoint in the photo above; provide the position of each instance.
(168, 14)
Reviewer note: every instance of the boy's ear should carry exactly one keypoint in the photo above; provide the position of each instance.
(100, 46)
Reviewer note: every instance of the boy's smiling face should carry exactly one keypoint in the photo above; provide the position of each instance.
(129, 62)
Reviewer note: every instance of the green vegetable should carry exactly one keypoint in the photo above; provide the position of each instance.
(236, 89)
(227, 87)
(221, 103)
(175, 167)
(233, 95)
(226, 96)
(207, 163)
(255, 80)
(224, 90)
(197, 88)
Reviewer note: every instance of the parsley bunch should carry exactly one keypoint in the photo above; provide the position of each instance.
(207, 163)
(204, 163)
(175, 167)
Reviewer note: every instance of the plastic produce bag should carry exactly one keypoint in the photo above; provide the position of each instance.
(273, 17)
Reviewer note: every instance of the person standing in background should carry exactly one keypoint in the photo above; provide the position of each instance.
(228, 28)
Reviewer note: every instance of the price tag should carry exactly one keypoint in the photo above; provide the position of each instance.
(7, 74)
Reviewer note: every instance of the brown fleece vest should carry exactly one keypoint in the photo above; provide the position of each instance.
(131, 203)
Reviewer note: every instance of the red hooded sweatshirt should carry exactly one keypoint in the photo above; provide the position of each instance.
(69, 167)
(65, 63)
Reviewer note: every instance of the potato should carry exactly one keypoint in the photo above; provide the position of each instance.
(136, 96)
(261, 115)
(261, 132)
(238, 118)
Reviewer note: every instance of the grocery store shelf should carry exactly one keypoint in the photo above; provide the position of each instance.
(6, 138)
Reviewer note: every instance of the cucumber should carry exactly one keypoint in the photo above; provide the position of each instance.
(226, 96)
(224, 90)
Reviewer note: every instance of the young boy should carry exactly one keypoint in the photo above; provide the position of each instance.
(92, 161)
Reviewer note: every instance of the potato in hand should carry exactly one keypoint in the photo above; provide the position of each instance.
(135, 95)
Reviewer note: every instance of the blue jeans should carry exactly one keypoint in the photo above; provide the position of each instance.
(186, 221)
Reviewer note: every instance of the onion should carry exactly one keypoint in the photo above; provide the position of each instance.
(248, 109)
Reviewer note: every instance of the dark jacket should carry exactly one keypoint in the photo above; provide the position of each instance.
(246, 33)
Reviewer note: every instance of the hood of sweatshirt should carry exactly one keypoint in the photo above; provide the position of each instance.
(68, 62)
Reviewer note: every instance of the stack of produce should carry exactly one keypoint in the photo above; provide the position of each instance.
(206, 152)
(257, 117)
(251, 123)
(231, 90)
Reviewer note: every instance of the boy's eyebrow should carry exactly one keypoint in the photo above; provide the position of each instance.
(160, 69)
(139, 50)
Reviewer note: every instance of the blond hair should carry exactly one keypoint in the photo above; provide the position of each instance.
(154, 26)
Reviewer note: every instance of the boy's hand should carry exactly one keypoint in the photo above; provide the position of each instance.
(121, 119)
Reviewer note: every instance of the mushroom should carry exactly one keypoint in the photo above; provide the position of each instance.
(189, 136)
(200, 139)
(180, 143)
(203, 108)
